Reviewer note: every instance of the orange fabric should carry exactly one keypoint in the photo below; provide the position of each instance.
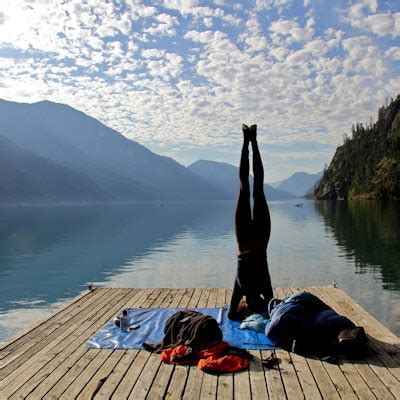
(213, 351)
(225, 364)
(172, 356)
(208, 360)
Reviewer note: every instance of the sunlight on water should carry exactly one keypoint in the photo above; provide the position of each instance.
(49, 254)
(188, 260)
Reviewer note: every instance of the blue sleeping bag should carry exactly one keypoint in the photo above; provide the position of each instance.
(308, 321)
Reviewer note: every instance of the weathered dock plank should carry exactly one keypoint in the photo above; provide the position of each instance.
(209, 384)
(74, 358)
(387, 385)
(50, 360)
(46, 352)
(70, 370)
(132, 373)
(143, 386)
(195, 376)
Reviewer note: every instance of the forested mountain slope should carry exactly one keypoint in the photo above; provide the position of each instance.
(367, 165)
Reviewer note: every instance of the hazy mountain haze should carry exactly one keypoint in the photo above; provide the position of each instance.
(28, 177)
(299, 183)
(226, 177)
(119, 168)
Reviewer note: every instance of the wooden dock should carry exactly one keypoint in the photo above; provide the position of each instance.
(51, 360)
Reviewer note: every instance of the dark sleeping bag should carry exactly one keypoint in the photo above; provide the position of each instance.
(304, 324)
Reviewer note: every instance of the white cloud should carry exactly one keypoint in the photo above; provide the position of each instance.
(191, 7)
(279, 53)
(208, 22)
(393, 52)
(296, 80)
(363, 56)
(289, 31)
(363, 15)
(166, 65)
(167, 19)
(183, 6)
(164, 25)
(202, 37)
(95, 42)
(268, 4)
(253, 36)
(153, 53)
(124, 24)
(137, 10)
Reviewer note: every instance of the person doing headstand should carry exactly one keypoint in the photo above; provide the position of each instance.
(252, 279)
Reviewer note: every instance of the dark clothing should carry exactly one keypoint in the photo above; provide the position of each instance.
(256, 228)
(251, 270)
(252, 235)
(252, 280)
(190, 328)
(310, 322)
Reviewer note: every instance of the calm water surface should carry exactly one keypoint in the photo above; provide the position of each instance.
(49, 254)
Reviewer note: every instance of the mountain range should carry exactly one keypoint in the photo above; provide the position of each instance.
(225, 177)
(53, 153)
(299, 184)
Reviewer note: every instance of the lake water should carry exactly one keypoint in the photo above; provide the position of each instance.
(49, 254)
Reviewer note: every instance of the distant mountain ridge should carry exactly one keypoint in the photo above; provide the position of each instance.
(275, 184)
(367, 165)
(34, 178)
(92, 161)
(53, 153)
(226, 177)
(299, 183)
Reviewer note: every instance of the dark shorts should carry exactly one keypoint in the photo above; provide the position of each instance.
(252, 273)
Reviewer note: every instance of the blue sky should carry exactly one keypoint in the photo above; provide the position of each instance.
(180, 76)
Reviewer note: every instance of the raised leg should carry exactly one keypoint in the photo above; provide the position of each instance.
(261, 216)
(243, 208)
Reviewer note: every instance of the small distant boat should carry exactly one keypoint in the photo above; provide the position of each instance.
(299, 205)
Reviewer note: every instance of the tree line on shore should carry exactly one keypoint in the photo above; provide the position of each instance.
(367, 164)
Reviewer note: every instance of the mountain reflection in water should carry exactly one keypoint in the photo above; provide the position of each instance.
(49, 253)
(369, 233)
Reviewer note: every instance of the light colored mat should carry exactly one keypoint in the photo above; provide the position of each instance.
(151, 330)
